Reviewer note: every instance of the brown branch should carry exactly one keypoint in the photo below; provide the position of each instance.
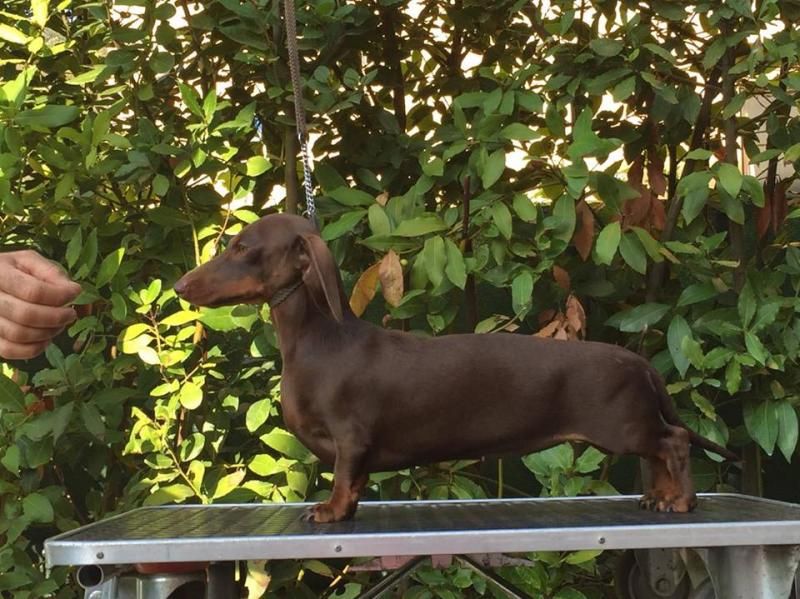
(470, 293)
(659, 270)
(391, 55)
(735, 230)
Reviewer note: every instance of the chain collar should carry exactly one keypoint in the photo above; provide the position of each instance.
(281, 295)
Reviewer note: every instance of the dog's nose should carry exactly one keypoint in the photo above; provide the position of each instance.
(181, 286)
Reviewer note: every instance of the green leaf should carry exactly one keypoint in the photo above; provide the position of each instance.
(257, 414)
(13, 35)
(37, 508)
(265, 465)
(678, 331)
(501, 217)
(378, 220)
(714, 52)
(730, 178)
(705, 406)
(11, 460)
(92, 420)
(50, 116)
(519, 132)
(161, 62)
(190, 99)
(169, 494)
(420, 225)
(522, 293)
(755, 347)
(733, 377)
(699, 154)
(494, 167)
(87, 77)
(651, 246)
(589, 460)
(11, 396)
(160, 185)
(696, 293)
(435, 259)
(606, 47)
(634, 320)
(257, 165)
(761, 421)
(753, 188)
(179, 318)
(581, 557)
(287, 444)
(348, 196)
(344, 224)
(525, 208)
(191, 447)
(787, 429)
(39, 12)
(747, 304)
(607, 243)
(633, 253)
(228, 483)
(694, 190)
(456, 269)
(732, 207)
(190, 395)
(109, 267)
(692, 350)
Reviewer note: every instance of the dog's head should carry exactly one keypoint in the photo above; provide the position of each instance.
(272, 254)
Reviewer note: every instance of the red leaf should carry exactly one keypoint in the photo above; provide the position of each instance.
(655, 174)
(658, 215)
(764, 215)
(584, 235)
(562, 277)
(576, 317)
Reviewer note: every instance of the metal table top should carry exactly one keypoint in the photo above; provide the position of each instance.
(278, 531)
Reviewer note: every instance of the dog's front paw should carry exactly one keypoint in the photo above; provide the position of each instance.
(320, 513)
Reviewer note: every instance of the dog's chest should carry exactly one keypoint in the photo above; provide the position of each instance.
(301, 419)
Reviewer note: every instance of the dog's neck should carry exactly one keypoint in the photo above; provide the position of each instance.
(296, 316)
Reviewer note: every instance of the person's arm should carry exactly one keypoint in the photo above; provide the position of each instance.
(34, 294)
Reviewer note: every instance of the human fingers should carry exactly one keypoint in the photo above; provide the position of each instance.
(17, 333)
(32, 290)
(41, 269)
(21, 351)
(34, 315)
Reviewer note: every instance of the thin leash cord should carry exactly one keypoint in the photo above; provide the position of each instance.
(299, 112)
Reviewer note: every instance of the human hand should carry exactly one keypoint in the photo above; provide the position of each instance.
(33, 297)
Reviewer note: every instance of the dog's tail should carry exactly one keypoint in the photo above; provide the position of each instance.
(671, 416)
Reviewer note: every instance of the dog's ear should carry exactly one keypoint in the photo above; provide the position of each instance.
(320, 273)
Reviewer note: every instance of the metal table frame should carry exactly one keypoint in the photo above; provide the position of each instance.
(750, 546)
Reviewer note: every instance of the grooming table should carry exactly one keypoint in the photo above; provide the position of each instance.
(750, 546)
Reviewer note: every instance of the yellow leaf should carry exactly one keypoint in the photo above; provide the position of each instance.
(13, 35)
(382, 198)
(391, 277)
(364, 290)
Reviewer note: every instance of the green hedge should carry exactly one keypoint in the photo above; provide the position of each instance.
(599, 147)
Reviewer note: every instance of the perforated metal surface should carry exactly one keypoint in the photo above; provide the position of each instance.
(229, 532)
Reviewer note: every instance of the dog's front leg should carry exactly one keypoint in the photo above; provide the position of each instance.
(349, 480)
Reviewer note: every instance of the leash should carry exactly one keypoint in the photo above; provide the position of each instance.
(299, 112)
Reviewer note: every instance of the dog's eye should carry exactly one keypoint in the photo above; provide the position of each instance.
(240, 248)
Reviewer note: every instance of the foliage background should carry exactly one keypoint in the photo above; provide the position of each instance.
(627, 170)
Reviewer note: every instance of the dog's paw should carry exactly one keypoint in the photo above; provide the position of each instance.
(680, 504)
(648, 502)
(321, 513)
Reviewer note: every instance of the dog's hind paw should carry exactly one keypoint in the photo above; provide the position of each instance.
(648, 502)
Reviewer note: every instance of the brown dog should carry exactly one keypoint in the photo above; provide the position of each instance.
(366, 399)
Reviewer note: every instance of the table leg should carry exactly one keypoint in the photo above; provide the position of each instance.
(763, 571)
